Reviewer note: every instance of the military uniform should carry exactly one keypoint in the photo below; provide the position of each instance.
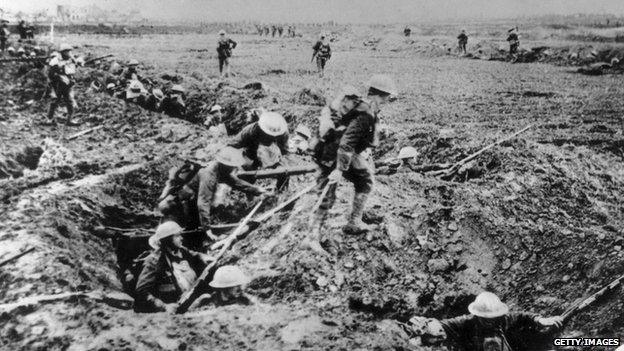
(4, 36)
(323, 54)
(467, 333)
(61, 73)
(347, 148)
(224, 51)
(166, 276)
(173, 106)
(514, 43)
(462, 39)
(191, 206)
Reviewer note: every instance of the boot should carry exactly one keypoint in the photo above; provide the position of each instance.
(312, 241)
(355, 225)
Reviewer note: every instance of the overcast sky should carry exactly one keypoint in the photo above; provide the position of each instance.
(339, 10)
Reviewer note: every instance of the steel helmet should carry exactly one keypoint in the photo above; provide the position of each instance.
(158, 94)
(228, 277)
(110, 85)
(178, 88)
(216, 108)
(135, 86)
(11, 49)
(407, 152)
(133, 62)
(383, 83)
(20, 50)
(37, 48)
(304, 131)
(33, 54)
(231, 156)
(272, 123)
(221, 32)
(164, 230)
(488, 305)
(65, 47)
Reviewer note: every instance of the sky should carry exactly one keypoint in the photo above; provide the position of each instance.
(350, 11)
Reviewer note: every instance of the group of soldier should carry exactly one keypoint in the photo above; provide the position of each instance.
(276, 30)
(513, 39)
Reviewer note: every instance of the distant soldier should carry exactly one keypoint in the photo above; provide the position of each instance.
(11, 51)
(30, 31)
(61, 74)
(173, 103)
(489, 326)
(266, 30)
(4, 34)
(407, 31)
(273, 30)
(514, 41)
(322, 52)
(215, 116)
(224, 50)
(190, 191)
(265, 142)
(348, 129)
(21, 29)
(462, 40)
(280, 30)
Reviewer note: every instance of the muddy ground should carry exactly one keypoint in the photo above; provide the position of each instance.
(538, 220)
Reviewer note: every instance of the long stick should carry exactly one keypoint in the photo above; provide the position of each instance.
(284, 204)
(276, 172)
(590, 300)
(187, 299)
(86, 131)
(16, 256)
(471, 157)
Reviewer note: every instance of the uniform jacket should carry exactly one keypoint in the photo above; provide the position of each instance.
(322, 50)
(157, 272)
(204, 185)
(463, 38)
(252, 136)
(466, 333)
(513, 38)
(224, 47)
(62, 70)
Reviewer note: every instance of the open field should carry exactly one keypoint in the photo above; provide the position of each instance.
(539, 220)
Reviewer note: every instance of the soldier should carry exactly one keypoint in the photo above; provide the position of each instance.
(514, 41)
(228, 284)
(322, 51)
(30, 31)
(265, 142)
(407, 31)
(273, 30)
(4, 34)
(129, 74)
(190, 191)
(173, 103)
(136, 93)
(348, 129)
(280, 30)
(11, 51)
(21, 29)
(462, 40)
(215, 116)
(169, 270)
(224, 50)
(489, 326)
(61, 73)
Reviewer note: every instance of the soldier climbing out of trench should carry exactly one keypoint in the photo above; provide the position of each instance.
(129, 74)
(173, 103)
(264, 143)
(489, 326)
(61, 74)
(191, 190)
(225, 46)
(348, 129)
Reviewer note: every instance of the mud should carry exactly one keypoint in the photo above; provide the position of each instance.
(537, 219)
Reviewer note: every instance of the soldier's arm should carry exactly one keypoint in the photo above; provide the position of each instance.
(147, 283)
(242, 139)
(356, 130)
(241, 185)
(205, 194)
(535, 321)
(454, 328)
(233, 44)
(282, 143)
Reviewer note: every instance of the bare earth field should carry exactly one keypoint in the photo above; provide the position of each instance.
(539, 219)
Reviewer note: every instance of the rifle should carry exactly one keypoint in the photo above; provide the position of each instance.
(277, 172)
(580, 306)
(24, 59)
(98, 58)
(313, 56)
(187, 299)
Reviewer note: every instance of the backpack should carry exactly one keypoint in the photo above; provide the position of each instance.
(178, 177)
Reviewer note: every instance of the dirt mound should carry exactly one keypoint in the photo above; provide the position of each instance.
(308, 96)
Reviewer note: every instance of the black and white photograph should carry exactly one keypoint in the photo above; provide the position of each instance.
(402, 175)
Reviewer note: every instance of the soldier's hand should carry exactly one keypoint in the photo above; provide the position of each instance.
(551, 322)
(211, 236)
(335, 176)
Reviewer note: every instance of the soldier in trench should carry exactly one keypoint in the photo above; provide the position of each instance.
(489, 327)
(190, 192)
